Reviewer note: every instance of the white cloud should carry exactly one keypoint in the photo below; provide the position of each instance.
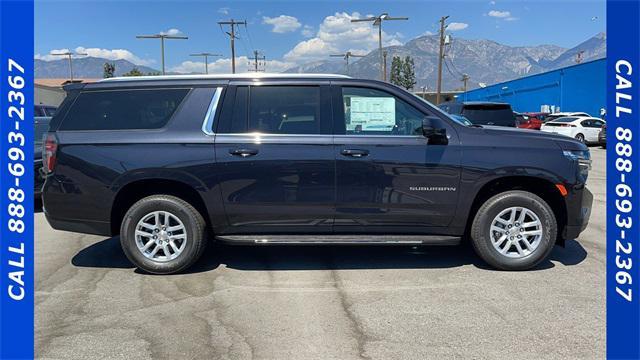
(172, 31)
(511, 18)
(282, 24)
(223, 66)
(337, 33)
(114, 54)
(499, 14)
(426, 33)
(223, 11)
(49, 57)
(310, 49)
(307, 31)
(492, 2)
(455, 26)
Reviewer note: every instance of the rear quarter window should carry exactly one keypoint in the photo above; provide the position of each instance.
(123, 109)
(499, 115)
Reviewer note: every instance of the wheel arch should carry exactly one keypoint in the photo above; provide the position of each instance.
(135, 190)
(544, 188)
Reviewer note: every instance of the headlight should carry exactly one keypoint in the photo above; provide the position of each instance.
(582, 157)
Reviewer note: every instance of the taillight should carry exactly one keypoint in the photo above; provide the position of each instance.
(49, 149)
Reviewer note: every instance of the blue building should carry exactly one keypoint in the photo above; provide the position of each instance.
(581, 87)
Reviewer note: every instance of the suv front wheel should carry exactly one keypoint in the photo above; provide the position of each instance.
(514, 230)
(162, 234)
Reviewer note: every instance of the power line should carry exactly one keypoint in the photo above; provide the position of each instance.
(441, 57)
(257, 58)
(162, 37)
(377, 21)
(232, 36)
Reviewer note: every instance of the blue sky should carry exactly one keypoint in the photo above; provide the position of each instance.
(296, 32)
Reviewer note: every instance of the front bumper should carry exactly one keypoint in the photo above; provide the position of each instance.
(578, 212)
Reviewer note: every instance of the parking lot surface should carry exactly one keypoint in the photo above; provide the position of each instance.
(321, 302)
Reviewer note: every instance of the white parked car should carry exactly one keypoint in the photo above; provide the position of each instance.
(558, 115)
(582, 128)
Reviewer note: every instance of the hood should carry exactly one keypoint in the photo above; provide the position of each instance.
(564, 142)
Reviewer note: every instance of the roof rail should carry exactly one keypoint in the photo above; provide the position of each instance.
(227, 76)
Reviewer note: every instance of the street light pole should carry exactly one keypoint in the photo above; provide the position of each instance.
(377, 21)
(206, 60)
(162, 37)
(69, 56)
(346, 57)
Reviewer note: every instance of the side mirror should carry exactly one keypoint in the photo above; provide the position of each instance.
(434, 130)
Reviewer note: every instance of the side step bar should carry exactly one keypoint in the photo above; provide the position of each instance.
(341, 239)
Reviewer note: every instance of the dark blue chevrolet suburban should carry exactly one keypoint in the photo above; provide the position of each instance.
(169, 163)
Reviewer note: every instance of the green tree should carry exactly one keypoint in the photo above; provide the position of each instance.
(133, 72)
(408, 73)
(109, 70)
(395, 76)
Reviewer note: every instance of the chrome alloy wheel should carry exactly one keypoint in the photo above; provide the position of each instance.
(516, 232)
(161, 236)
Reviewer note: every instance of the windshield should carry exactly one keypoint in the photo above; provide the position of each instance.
(499, 115)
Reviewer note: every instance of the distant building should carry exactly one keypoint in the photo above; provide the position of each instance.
(580, 87)
(50, 92)
(430, 96)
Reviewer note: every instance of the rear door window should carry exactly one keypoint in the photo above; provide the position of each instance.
(284, 109)
(123, 109)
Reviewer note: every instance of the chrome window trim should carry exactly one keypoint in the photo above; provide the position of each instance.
(254, 134)
(207, 124)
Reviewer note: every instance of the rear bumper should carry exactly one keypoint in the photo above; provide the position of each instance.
(602, 139)
(578, 213)
(79, 226)
(38, 180)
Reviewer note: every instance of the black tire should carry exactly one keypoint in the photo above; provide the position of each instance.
(580, 138)
(481, 233)
(191, 219)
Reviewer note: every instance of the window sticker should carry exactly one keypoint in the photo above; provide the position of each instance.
(371, 113)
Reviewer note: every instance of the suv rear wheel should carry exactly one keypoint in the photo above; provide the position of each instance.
(514, 230)
(162, 234)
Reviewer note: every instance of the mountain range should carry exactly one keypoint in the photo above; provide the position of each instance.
(83, 68)
(485, 61)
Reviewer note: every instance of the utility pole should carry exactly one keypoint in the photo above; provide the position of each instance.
(232, 36)
(441, 57)
(206, 59)
(464, 79)
(69, 56)
(256, 61)
(384, 65)
(377, 21)
(162, 37)
(346, 57)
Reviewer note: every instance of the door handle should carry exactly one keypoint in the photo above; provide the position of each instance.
(354, 153)
(243, 152)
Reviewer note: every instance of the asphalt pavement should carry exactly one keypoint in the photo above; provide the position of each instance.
(333, 302)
